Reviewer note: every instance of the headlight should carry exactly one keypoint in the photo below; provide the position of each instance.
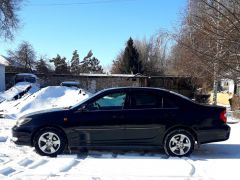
(22, 121)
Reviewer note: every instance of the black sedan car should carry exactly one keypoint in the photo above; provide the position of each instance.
(118, 118)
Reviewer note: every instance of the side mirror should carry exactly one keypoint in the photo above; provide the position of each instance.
(82, 109)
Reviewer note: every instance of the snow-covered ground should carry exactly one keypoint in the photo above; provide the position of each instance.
(211, 161)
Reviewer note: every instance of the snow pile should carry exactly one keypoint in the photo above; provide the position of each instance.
(18, 90)
(48, 98)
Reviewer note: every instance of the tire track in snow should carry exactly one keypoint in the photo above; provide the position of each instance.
(38, 163)
(16, 166)
(45, 168)
(7, 171)
(193, 170)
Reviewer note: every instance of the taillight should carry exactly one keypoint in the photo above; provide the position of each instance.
(223, 116)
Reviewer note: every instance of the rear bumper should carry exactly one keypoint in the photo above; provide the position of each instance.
(214, 134)
(21, 136)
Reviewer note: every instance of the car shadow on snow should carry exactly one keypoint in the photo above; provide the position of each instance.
(206, 151)
(120, 154)
(217, 151)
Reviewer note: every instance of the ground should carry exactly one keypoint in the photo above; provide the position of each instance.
(211, 161)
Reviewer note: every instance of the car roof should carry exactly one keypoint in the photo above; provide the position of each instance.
(145, 88)
(135, 88)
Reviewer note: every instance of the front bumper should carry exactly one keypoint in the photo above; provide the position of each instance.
(21, 136)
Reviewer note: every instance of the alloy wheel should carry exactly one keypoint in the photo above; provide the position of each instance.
(180, 144)
(49, 142)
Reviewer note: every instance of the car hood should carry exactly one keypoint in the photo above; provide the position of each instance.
(42, 112)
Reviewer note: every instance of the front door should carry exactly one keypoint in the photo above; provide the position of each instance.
(100, 122)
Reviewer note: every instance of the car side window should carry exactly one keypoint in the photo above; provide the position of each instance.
(168, 103)
(145, 100)
(112, 101)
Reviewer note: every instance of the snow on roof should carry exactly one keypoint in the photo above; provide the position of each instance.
(4, 61)
(112, 75)
(9, 62)
(14, 91)
(70, 82)
(27, 74)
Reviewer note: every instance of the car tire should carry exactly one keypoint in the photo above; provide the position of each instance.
(179, 143)
(49, 142)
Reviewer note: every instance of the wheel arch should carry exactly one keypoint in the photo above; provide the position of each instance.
(189, 129)
(50, 127)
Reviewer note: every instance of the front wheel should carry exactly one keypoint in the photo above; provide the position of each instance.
(49, 142)
(179, 143)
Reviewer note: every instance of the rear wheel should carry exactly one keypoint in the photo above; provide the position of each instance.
(49, 142)
(179, 143)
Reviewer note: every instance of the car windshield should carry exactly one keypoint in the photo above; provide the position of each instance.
(82, 102)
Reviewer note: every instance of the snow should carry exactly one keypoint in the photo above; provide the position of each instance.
(28, 74)
(47, 98)
(3, 61)
(211, 161)
(16, 90)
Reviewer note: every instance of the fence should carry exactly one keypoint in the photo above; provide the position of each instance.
(96, 82)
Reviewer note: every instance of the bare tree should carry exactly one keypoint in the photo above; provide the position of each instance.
(211, 36)
(24, 55)
(117, 66)
(9, 21)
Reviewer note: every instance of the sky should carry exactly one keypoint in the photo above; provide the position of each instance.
(103, 26)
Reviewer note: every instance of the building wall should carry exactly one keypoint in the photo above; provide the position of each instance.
(2, 77)
(227, 85)
(90, 83)
(94, 83)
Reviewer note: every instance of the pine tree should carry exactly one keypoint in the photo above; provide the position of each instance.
(60, 65)
(90, 64)
(131, 63)
(95, 66)
(41, 66)
(74, 68)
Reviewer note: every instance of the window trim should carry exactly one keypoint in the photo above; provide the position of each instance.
(106, 94)
(157, 95)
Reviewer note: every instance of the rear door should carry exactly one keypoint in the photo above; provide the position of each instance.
(149, 114)
(143, 117)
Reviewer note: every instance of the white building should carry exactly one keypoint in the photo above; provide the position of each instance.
(227, 85)
(3, 63)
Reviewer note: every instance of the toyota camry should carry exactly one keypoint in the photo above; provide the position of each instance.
(119, 118)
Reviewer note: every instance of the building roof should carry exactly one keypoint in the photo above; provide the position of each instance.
(9, 62)
(4, 61)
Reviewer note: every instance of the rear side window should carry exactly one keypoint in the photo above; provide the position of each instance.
(168, 103)
(145, 100)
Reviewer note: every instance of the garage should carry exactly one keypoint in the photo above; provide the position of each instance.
(3, 63)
